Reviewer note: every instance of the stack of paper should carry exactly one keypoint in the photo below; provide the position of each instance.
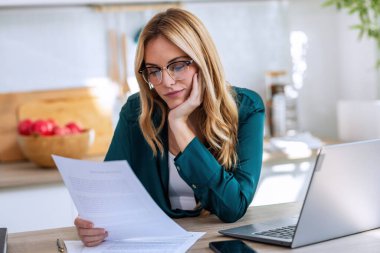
(111, 196)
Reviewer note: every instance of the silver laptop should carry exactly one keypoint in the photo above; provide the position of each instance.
(342, 199)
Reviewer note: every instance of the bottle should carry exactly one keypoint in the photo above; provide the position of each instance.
(276, 103)
(291, 94)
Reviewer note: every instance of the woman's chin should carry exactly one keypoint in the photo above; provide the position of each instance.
(175, 104)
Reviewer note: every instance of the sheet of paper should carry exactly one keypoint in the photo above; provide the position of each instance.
(74, 246)
(152, 245)
(111, 196)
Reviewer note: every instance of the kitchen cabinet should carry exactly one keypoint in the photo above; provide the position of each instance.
(33, 198)
(36, 207)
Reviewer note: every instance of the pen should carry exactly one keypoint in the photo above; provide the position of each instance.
(60, 245)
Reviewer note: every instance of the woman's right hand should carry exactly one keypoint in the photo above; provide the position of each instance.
(89, 235)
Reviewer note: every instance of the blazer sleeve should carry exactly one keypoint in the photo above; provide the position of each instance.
(119, 148)
(228, 194)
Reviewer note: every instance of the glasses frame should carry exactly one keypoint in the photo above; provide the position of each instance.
(187, 62)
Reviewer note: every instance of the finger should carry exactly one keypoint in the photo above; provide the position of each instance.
(81, 223)
(92, 244)
(202, 88)
(195, 84)
(94, 240)
(195, 88)
(90, 239)
(91, 232)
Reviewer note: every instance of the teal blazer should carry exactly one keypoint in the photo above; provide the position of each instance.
(226, 194)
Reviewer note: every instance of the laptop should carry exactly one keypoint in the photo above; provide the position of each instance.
(342, 199)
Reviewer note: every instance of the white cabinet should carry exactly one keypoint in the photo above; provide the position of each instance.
(36, 207)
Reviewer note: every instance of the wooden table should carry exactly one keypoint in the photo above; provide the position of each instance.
(45, 241)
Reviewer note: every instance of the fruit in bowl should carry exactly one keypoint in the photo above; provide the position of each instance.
(40, 139)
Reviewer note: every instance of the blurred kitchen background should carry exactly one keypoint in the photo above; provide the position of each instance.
(60, 52)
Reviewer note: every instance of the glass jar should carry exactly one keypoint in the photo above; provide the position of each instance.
(282, 104)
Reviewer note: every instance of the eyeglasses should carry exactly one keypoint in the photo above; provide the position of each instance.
(176, 70)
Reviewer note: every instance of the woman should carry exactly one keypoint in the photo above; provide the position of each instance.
(194, 141)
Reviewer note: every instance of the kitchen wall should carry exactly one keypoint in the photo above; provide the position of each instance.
(252, 38)
(50, 48)
(339, 66)
(47, 48)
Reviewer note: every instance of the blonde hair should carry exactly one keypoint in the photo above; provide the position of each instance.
(218, 112)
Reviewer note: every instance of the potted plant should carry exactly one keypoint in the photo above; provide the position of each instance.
(360, 119)
(368, 12)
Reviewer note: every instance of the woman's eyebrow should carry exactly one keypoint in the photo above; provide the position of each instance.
(172, 60)
(177, 58)
(151, 64)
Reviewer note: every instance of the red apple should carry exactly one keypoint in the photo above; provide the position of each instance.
(61, 130)
(52, 121)
(74, 127)
(25, 127)
(42, 127)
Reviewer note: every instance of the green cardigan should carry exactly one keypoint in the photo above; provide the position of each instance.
(226, 194)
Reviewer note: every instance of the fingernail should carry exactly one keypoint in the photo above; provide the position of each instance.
(106, 233)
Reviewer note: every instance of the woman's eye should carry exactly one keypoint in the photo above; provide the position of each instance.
(153, 72)
(178, 66)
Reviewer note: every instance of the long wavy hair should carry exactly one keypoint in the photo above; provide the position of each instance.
(218, 112)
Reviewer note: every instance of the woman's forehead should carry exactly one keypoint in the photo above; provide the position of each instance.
(160, 50)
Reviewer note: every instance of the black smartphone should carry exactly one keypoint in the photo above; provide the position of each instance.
(231, 246)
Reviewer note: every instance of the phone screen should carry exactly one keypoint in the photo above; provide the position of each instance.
(231, 246)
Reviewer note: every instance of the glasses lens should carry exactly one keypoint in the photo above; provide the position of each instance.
(152, 75)
(177, 70)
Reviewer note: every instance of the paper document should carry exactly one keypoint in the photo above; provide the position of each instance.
(112, 197)
(152, 245)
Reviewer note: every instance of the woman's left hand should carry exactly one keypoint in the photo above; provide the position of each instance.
(181, 113)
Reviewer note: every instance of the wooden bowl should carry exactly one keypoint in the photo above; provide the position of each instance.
(39, 149)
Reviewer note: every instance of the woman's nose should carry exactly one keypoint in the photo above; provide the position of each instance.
(167, 80)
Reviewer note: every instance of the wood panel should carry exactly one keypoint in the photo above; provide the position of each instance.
(91, 106)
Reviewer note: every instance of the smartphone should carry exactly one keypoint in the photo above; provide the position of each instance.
(231, 246)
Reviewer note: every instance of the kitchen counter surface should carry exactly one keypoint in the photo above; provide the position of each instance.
(25, 173)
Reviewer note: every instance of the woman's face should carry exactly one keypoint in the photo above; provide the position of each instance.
(160, 52)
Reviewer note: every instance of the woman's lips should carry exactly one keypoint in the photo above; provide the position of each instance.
(174, 94)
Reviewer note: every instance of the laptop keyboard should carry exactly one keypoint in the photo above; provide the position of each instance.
(282, 232)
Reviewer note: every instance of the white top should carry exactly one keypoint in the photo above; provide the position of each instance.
(180, 194)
